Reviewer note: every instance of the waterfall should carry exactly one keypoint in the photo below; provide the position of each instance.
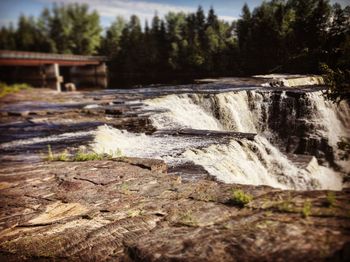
(289, 125)
(182, 112)
(331, 120)
(288, 119)
(258, 162)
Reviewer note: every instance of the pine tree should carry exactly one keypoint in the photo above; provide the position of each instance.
(110, 45)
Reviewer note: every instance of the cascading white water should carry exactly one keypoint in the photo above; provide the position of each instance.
(331, 120)
(224, 111)
(113, 141)
(182, 112)
(248, 112)
(256, 162)
(245, 162)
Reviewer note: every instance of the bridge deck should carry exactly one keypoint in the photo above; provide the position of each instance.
(18, 58)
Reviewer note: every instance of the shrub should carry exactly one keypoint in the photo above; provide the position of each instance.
(338, 82)
(240, 198)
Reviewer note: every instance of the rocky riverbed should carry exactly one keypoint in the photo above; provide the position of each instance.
(136, 209)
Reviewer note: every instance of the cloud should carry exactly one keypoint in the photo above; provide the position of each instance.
(7, 22)
(112, 8)
(228, 18)
(144, 10)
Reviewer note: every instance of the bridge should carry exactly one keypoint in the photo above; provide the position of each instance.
(52, 70)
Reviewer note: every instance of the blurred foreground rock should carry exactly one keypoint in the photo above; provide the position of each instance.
(131, 210)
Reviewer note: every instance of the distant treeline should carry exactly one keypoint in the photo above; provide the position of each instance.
(277, 36)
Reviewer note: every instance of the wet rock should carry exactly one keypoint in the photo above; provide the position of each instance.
(206, 133)
(131, 209)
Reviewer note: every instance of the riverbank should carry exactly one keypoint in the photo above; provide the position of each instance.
(131, 210)
(136, 209)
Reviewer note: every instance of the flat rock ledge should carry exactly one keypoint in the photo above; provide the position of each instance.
(132, 210)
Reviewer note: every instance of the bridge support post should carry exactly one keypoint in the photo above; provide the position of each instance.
(52, 77)
(101, 75)
(90, 75)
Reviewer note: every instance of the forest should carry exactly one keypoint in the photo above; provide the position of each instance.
(293, 36)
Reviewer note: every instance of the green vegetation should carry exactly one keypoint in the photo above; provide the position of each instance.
(50, 156)
(306, 211)
(240, 198)
(69, 29)
(339, 83)
(188, 219)
(285, 206)
(62, 157)
(344, 147)
(9, 89)
(88, 156)
(279, 35)
(330, 199)
(80, 156)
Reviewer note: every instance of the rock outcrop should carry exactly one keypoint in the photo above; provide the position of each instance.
(131, 210)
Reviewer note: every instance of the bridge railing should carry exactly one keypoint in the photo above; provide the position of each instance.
(7, 54)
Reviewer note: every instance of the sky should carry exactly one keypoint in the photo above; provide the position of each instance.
(227, 10)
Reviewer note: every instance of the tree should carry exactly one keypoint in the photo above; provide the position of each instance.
(277, 36)
(319, 24)
(301, 26)
(7, 38)
(28, 36)
(338, 44)
(338, 82)
(72, 28)
(212, 19)
(131, 54)
(244, 27)
(243, 30)
(175, 26)
(110, 44)
(85, 34)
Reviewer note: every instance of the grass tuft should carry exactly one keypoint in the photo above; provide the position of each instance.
(80, 156)
(187, 219)
(306, 209)
(9, 89)
(63, 156)
(50, 156)
(241, 199)
(88, 156)
(330, 199)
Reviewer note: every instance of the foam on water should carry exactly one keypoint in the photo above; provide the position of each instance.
(181, 112)
(256, 162)
(245, 162)
(111, 140)
(286, 80)
(234, 111)
(260, 163)
(248, 111)
(332, 120)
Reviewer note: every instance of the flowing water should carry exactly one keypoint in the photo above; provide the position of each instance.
(289, 126)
